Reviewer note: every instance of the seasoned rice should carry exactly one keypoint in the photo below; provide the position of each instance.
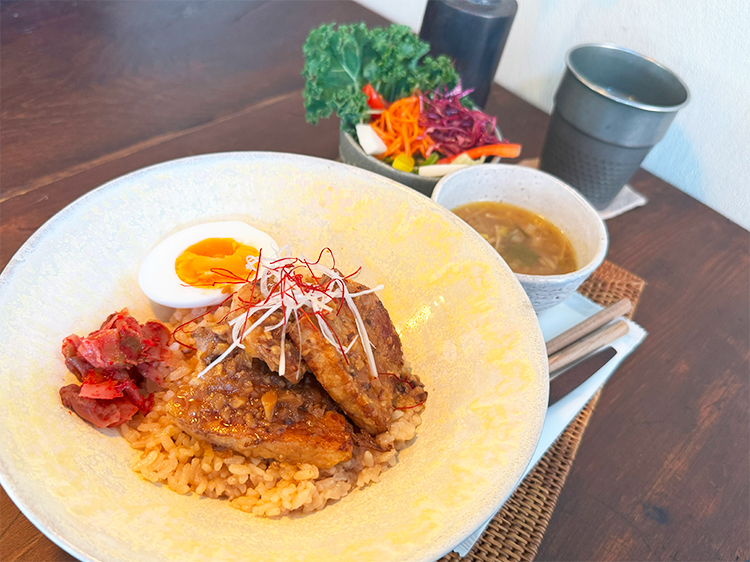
(259, 486)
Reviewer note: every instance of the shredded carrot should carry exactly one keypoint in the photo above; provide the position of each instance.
(398, 127)
(504, 150)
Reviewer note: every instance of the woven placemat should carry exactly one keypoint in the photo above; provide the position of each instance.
(516, 531)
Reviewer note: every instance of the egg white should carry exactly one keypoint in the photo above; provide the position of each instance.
(158, 278)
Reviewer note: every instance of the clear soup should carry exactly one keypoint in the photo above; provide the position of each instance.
(529, 243)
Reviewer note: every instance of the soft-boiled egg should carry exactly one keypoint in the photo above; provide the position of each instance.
(194, 267)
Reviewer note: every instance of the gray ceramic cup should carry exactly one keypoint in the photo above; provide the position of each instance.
(611, 107)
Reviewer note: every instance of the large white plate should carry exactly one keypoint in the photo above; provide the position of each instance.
(467, 327)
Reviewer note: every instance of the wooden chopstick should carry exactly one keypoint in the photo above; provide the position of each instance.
(587, 337)
(585, 346)
(580, 330)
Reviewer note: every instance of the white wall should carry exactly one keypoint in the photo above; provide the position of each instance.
(706, 152)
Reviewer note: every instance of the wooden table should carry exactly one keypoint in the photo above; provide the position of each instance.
(93, 90)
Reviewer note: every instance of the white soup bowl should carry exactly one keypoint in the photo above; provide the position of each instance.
(544, 195)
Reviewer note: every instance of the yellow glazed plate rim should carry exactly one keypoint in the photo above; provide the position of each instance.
(468, 330)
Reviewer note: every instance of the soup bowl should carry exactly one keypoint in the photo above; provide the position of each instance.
(546, 196)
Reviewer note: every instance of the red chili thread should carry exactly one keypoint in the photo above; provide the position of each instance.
(411, 385)
(312, 273)
(341, 301)
(229, 274)
(307, 317)
(410, 407)
(356, 272)
(257, 271)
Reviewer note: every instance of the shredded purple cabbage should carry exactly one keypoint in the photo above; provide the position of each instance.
(454, 128)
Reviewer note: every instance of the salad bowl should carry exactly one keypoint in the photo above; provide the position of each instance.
(350, 152)
(467, 328)
(402, 102)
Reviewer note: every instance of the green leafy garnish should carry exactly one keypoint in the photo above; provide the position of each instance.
(340, 61)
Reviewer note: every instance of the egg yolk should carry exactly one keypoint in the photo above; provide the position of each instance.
(214, 262)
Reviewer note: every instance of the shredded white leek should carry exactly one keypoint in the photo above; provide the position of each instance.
(290, 299)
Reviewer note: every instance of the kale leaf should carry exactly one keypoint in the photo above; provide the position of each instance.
(339, 62)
